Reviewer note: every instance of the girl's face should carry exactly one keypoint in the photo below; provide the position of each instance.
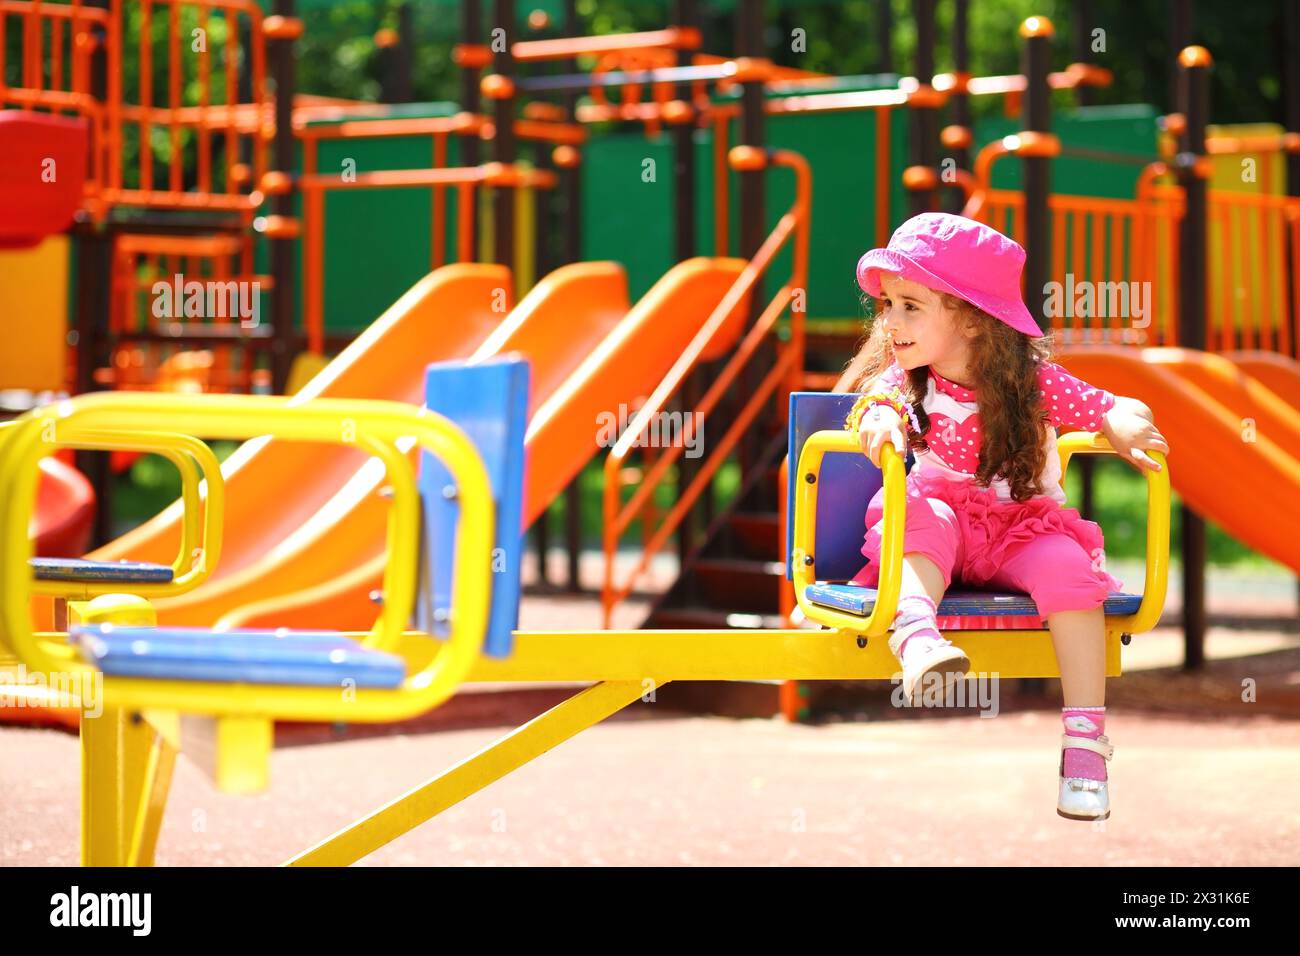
(921, 328)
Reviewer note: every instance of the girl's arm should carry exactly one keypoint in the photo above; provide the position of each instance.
(1130, 427)
(1126, 422)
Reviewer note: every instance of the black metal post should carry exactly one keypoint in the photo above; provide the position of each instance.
(285, 338)
(923, 116)
(684, 192)
(1083, 96)
(961, 112)
(1035, 62)
(885, 34)
(753, 187)
(90, 323)
(398, 87)
(1194, 96)
(571, 187)
(471, 98)
(1180, 37)
(503, 141)
(1082, 29)
(749, 43)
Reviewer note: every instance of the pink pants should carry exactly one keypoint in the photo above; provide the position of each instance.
(1043, 555)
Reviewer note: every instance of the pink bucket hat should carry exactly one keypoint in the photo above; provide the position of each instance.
(957, 255)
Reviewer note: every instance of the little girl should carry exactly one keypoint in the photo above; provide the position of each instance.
(956, 369)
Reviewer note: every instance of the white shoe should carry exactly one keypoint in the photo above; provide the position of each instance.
(1081, 798)
(941, 657)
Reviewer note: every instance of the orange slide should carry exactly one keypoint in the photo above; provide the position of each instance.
(1232, 440)
(305, 524)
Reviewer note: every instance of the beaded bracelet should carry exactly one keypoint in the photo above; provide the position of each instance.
(893, 398)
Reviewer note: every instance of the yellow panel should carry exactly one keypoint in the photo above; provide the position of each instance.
(34, 304)
(1269, 172)
(305, 367)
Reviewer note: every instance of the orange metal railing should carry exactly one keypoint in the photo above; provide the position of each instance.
(1011, 87)
(211, 352)
(1254, 292)
(784, 374)
(438, 178)
(194, 123)
(174, 117)
(1124, 251)
(59, 83)
(1252, 283)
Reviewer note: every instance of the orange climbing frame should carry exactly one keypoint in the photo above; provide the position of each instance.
(784, 375)
(59, 41)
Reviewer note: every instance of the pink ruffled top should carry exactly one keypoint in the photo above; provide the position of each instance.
(955, 428)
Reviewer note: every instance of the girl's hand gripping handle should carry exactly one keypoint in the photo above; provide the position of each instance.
(880, 424)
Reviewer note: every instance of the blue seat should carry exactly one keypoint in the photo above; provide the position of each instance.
(310, 658)
(489, 402)
(845, 488)
(83, 571)
(957, 602)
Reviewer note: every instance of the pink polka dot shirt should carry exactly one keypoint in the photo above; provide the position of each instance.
(1069, 403)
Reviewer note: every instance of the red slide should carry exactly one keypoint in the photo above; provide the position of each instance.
(65, 511)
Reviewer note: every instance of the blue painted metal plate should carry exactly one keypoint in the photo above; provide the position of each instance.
(312, 658)
(489, 402)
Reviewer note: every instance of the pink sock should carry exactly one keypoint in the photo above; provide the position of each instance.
(1083, 722)
(918, 611)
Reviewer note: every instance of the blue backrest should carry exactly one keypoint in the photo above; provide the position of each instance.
(844, 489)
(489, 402)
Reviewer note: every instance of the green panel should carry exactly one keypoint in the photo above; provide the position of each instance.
(377, 242)
(630, 221)
(841, 148)
(1128, 129)
(627, 205)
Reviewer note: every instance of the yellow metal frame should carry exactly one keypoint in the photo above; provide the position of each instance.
(127, 764)
(201, 526)
(381, 428)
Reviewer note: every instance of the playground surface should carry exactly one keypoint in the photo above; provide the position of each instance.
(744, 792)
(651, 787)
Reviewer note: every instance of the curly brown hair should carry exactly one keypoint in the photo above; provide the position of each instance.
(1003, 366)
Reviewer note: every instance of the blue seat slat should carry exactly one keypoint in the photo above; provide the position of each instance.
(310, 658)
(489, 402)
(83, 571)
(956, 602)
